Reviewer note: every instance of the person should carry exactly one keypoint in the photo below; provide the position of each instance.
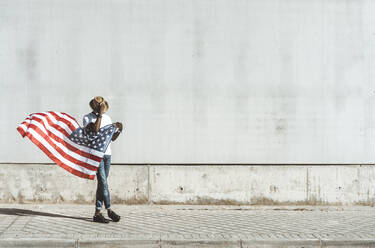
(94, 121)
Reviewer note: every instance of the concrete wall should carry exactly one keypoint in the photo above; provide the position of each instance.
(197, 81)
(203, 184)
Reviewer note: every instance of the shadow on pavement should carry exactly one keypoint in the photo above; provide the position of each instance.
(26, 212)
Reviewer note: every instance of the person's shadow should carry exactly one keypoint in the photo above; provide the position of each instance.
(26, 212)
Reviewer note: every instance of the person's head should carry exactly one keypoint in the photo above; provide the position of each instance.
(95, 104)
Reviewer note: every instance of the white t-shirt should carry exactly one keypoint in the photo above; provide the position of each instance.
(91, 117)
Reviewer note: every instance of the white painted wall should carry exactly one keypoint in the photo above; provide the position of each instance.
(197, 81)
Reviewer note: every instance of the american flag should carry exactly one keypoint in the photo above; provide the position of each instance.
(72, 147)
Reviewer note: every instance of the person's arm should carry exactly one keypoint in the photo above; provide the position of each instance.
(99, 118)
(119, 126)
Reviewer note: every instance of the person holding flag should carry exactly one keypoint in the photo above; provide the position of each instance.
(94, 122)
(83, 151)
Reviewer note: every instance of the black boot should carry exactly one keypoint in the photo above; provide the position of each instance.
(100, 218)
(115, 217)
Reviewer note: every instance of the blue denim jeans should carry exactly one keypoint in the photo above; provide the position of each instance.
(102, 192)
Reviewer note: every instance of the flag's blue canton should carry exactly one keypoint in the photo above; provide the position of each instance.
(98, 141)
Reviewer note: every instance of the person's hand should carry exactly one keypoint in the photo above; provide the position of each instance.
(101, 108)
(117, 133)
(91, 127)
(119, 126)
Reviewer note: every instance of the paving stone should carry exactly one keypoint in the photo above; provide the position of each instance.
(167, 226)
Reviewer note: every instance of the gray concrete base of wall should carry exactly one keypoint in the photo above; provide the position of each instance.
(195, 184)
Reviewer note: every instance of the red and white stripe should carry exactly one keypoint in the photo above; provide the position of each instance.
(50, 131)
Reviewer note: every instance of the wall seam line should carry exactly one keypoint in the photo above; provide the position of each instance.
(148, 185)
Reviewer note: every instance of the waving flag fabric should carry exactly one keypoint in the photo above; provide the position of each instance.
(72, 147)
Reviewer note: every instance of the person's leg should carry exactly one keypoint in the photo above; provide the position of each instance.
(107, 165)
(106, 196)
(101, 177)
(107, 201)
(98, 217)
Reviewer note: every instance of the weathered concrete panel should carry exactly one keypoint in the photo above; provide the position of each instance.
(334, 184)
(50, 183)
(366, 184)
(341, 184)
(128, 184)
(228, 184)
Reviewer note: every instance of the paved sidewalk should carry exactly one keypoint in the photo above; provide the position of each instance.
(62, 225)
